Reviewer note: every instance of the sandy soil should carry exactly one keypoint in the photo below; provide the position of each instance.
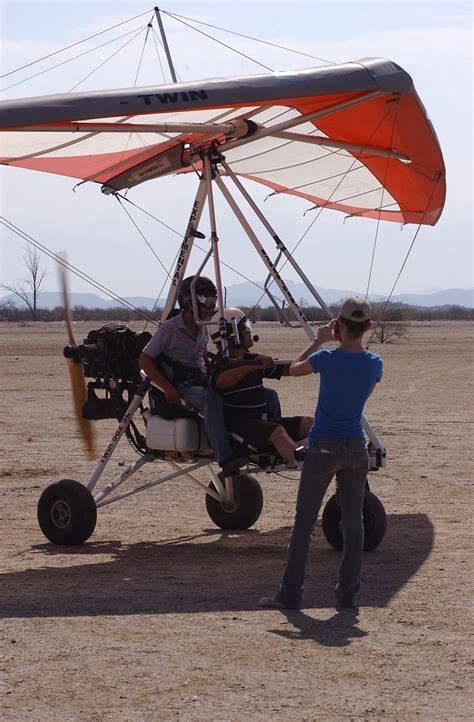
(156, 617)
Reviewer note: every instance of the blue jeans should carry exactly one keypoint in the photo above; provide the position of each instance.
(348, 460)
(210, 405)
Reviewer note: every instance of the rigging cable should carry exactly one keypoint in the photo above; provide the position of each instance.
(129, 137)
(155, 38)
(73, 45)
(119, 200)
(323, 206)
(382, 315)
(148, 28)
(167, 272)
(69, 266)
(104, 62)
(69, 60)
(95, 284)
(173, 230)
(381, 205)
(411, 244)
(229, 47)
(248, 37)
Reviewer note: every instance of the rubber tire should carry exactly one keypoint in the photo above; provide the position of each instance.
(67, 513)
(375, 522)
(248, 504)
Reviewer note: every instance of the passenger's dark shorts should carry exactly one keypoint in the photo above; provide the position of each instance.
(256, 432)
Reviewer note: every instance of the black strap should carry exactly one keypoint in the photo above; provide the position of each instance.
(182, 374)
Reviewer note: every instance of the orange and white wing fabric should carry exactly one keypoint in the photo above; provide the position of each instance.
(342, 137)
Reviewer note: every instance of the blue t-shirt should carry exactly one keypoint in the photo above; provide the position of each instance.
(346, 382)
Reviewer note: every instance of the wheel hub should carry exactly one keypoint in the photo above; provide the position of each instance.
(61, 514)
(230, 507)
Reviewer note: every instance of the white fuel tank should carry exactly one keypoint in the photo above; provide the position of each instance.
(176, 435)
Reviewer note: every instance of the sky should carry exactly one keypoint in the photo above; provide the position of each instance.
(432, 41)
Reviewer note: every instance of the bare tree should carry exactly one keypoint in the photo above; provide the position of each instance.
(389, 323)
(8, 311)
(36, 274)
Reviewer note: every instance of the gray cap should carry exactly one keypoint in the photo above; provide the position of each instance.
(356, 309)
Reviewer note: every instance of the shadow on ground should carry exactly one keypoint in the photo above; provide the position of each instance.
(209, 572)
(336, 631)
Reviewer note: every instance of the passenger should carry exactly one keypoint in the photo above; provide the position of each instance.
(246, 401)
(179, 347)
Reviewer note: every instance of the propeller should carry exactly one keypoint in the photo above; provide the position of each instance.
(76, 371)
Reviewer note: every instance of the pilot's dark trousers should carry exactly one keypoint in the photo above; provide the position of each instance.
(348, 460)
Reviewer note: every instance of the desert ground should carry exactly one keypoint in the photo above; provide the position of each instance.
(156, 616)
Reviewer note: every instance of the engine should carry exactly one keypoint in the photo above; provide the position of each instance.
(109, 355)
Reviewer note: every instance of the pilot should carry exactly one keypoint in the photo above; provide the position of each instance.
(179, 347)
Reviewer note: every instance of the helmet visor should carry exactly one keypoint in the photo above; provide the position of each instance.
(209, 302)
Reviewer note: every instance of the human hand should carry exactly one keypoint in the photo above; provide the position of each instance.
(265, 361)
(326, 332)
(172, 395)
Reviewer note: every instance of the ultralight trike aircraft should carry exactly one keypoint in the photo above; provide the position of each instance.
(352, 137)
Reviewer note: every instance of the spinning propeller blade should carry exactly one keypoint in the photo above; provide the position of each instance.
(76, 370)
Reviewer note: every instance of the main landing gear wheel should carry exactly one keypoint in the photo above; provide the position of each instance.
(375, 522)
(67, 513)
(245, 509)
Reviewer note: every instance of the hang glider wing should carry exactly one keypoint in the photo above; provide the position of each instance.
(353, 137)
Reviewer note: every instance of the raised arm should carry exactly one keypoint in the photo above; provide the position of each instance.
(301, 366)
(231, 377)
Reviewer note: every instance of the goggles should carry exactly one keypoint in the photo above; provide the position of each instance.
(209, 302)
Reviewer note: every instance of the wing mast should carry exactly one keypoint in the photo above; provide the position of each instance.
(191, 230)
(204, 191)
(165, 44)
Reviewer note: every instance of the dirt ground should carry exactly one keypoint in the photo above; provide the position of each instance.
(156, 616)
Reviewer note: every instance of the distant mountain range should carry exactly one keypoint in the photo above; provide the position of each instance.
(247, 294)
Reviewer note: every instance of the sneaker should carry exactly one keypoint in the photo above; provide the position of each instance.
(274, 603)
(232, 466)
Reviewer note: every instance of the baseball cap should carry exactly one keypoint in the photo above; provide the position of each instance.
(356, 309)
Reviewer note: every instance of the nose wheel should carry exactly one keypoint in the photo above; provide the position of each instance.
(246, 506)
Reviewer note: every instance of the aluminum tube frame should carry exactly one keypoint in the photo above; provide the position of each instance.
(351, 147)
(214, 237)
(115, 483)
(285, 125)
(215, 494)
(186, 247)
(227, 129)
(281, 247)
(265, 258)
(198, 321)
(120, 430)
(165, 44)
(217, 482)
(150, 484)
(208, 175)
(278, 242)
(275, 302)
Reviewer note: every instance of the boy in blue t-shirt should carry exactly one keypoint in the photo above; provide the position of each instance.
(336, 446)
